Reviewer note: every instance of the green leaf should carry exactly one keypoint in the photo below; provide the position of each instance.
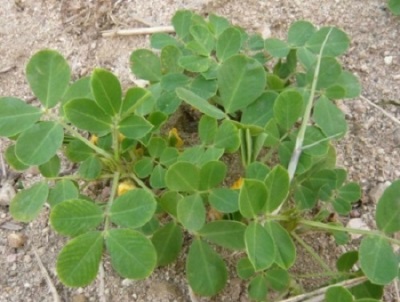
(336, 44)
(278, 279)
(63, 190)
(315, 143)
(107, 91)
(224, 200)
(86, 115)
(171, 81)
(168, 243)
(228, 234)
(285, 250)
(205, 269)
(134, 98)
(13, 160)
(79, 260)
(39, 143)
(51, 168)
(260, 112)
(207, 129)
(329, 118)
(335, 92)
(16, 116)
(258, 288)
(252, 197)
(146, 65)
(377, 260)
(181, 22)
(191, 212)
(203, 42)
(212, 174)
(161, 40)
(367, 290)
(133, 209)
(299, 33)
(241, 80)
(169, 59)
(338, 293)
(350, 192)
(78, 151)
(75, 216)
(257, 170)
(307, 59)
(260, 246)
(91, 167)
(227, 137)
(194, 63)
(204, 88)
(244, 268)
(346, 262)
(394, 6)
(157, 177)
(306, 197)
(199, 103)
(168, 102)
(169, 202)
(329, 72)
(350, 83)
(388, 209)
(27, 204)
(132, 254)
(80, 89)
(255, 42)
(218, 24)
(135, 127)
(156, 146)
(183, 176)
(48, 74)
(276, 48)
(277, 183)
(228, 43)
(143, 167)
(288, 108)
(169, 156)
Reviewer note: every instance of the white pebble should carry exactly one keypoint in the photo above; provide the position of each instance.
(388, 60)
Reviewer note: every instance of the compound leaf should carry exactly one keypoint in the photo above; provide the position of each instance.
(168, 243)
(78, 262)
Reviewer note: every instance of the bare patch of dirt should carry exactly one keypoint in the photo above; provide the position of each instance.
(370, 151)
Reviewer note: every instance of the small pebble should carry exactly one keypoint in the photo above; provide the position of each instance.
(16, 240)
(78, 298)
(388, 60)
(27, 259)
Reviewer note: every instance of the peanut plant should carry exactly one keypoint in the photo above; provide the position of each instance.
(269, 102)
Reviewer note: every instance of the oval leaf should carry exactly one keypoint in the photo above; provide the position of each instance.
(27, 204)
(48, 74)
(39, 143)
(260, 246)
(86, 115)
(252, 197)
(135, 127)
(146, 65)
(378, 261)
(338, 293)
(183, 176)
(228, 43)
(241, 81)
(277, 183)
(168, 243)
(288, 108)
(75, 216)
(78, 261)
(229, 234)
(51, 168)
(224, 200)
(63, 190)
(16, 116)
(206, 271)
(191, 212)
(336, 43)
(133, 209)
(132, 254)
(212, 174)
(107, 91)
(258, 288)
(388, 209)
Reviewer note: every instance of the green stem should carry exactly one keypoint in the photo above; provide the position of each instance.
(115, 137)
(312, 253)
(76, 134)
(332, 227)
(141, 183)
(113, 192)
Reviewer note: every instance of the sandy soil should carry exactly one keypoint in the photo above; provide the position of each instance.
(370, 150)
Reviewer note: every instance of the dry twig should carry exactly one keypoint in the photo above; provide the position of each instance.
(52, 288)
(138, 31)
(7, 69)
(382, 110)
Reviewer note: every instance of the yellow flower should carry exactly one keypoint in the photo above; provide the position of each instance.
(125, 186)
(237, 184)
(121, 137)
(174, 138)
(94, 139)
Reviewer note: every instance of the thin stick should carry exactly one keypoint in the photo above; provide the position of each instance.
(138, 31)
(102, 293)
(321, 291)
(3, 166)
(52, 288)
(382, 110)
(6, 69)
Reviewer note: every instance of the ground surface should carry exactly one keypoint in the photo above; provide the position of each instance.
(370, 150)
